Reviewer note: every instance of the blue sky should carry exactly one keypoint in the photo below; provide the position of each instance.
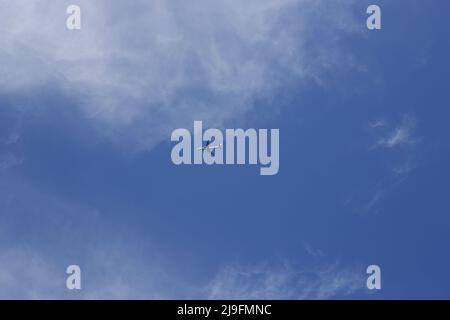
(86, 176)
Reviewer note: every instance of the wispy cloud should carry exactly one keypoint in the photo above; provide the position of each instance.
(396, 145)
(377, 124)
(114, 273)
(403, 134)
(314, 252)
(109, 273)
(25, 274)
(285, 282)
(199, 60)
(381, 191)
(401, 140)
(41, 236)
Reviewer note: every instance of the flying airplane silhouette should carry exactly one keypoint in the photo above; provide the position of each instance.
(210, 148)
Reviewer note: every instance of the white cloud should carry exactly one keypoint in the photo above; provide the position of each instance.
(113, 271)
(42, 233)
(24, 274)
(403, 134)
(109, 273)
(285, 282)
(141, 68)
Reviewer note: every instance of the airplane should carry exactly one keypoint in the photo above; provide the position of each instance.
(210, 148)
